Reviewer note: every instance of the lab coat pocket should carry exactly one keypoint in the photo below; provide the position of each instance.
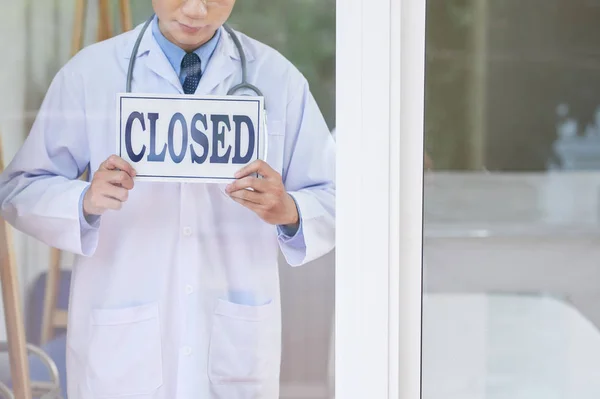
(242, 344)
(125, 356)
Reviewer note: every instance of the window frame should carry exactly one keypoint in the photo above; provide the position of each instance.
(380, 72)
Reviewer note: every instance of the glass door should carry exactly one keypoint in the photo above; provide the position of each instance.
(511, 228)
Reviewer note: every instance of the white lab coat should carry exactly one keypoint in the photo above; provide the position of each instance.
(176, 296)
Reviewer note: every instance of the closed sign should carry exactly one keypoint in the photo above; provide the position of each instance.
(193, 139)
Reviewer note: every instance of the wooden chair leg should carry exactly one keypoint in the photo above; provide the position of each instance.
(51, 297)
(104, 20)
(125, 15)
(78, 26)
(15, 326)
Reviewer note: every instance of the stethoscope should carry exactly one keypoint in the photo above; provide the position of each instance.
(243, 85)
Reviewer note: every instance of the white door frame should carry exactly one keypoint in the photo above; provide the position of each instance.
(379, 134)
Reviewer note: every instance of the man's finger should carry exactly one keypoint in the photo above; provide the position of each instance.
(258, 185)
(114, 162)
(119, 193)
(248, 204)
(249, 196)
(259, 166)
(120, 177)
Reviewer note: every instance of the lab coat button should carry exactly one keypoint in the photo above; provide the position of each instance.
(187, 231)
(187, 351)
(189, 289)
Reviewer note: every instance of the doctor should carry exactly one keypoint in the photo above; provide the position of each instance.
(175, 289)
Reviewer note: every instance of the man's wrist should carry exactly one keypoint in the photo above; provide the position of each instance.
(86, 219)
(294, 218)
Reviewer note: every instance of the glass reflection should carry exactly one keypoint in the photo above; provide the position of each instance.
(512, 201)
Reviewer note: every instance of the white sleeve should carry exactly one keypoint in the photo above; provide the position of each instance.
(39, 191)
(309, 177)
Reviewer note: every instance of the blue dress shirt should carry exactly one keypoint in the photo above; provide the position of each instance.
(175, 53)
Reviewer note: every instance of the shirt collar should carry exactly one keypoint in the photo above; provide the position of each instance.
(175, 53)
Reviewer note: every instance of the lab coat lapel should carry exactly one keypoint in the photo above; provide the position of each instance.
(221, 66)
(151, 57)
(158, 63)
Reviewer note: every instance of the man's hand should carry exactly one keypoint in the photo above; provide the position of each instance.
(110, 186)
(268, 198)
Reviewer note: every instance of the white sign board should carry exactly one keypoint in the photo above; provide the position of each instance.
(187, 138)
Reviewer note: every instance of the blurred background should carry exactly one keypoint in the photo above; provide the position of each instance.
(512, 222)
(38, 37)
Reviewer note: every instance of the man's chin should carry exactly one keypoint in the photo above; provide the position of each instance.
(193, 41)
